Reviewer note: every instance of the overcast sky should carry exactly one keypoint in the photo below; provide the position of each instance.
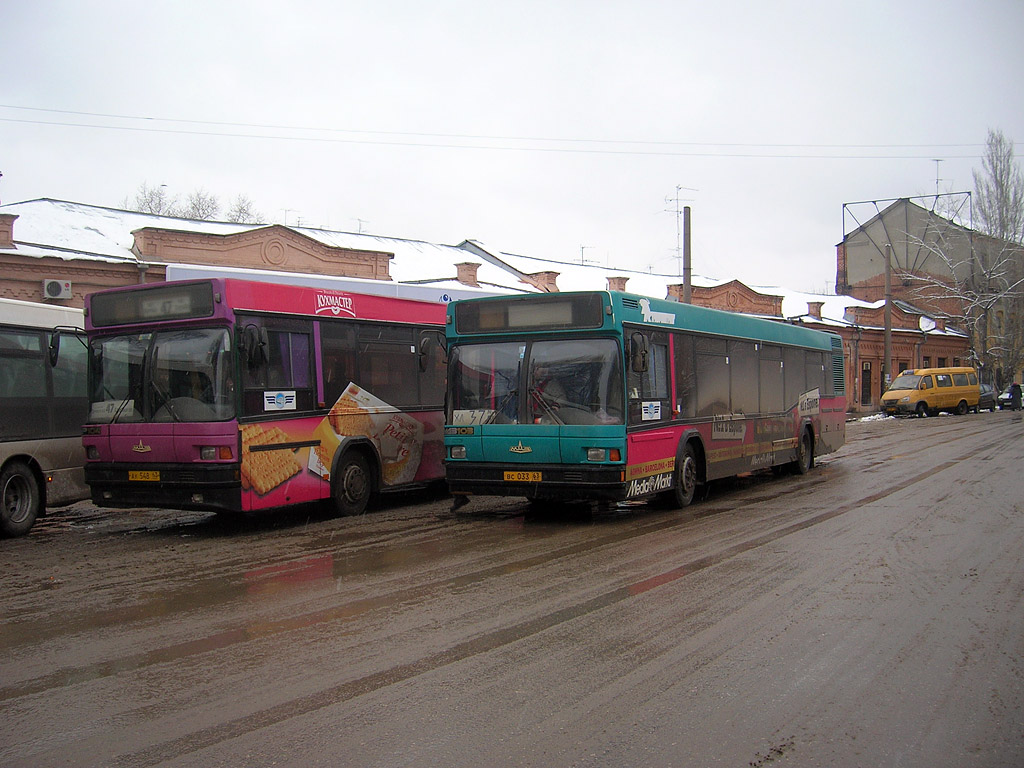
(561, 129)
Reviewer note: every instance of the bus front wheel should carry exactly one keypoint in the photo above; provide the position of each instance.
(352, 484)
(686, 478)
(21, 499)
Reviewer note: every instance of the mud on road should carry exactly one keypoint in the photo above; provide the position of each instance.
(868, 613)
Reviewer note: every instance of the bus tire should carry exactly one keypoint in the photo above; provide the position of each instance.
(21, 497)
(804, 453)
(353, 484)
(961, 408)
(686, 478)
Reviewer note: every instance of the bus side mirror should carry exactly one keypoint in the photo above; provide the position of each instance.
(638, 349)
(54, 348)
(428, 341)
(256, 342)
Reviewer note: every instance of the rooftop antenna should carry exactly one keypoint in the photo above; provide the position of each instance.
(585, 261)
(359, 224)
(937, 179)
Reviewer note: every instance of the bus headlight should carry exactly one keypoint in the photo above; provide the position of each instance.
(211, 452)
(604, 454)
(457, 452)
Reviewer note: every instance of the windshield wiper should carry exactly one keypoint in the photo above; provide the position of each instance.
(546, 405)
(504, 401)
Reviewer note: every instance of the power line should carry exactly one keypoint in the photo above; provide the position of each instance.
(507, 148)
(478, 137)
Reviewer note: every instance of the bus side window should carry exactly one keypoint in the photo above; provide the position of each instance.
(815, 371)
(794, 374)
(743, 370)
(686, 377)
(648, 389)
(772, 398)
(288, 369)
(389, 364)
(339, 361)
(712, 377)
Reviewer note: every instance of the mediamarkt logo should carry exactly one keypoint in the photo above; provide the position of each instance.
(335, 303)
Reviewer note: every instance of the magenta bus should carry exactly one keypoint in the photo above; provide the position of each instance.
(233, 396)
(611, 396)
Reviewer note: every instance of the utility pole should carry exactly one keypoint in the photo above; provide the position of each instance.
(886, 377)
(683, 240)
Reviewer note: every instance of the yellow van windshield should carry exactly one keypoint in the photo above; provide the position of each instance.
(906, 381)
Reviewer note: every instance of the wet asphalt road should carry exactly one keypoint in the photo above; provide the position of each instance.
(870, 613)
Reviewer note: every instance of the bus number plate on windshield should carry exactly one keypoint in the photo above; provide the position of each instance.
(522, 477)
(144, 474)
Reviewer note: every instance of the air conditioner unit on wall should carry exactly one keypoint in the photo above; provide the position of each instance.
(56, 289)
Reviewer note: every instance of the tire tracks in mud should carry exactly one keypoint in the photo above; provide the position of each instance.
(499, 638)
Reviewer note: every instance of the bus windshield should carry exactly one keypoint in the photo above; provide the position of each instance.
(182, 375)
(576, 381)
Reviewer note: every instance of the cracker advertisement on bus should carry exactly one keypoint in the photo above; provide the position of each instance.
(397, 436)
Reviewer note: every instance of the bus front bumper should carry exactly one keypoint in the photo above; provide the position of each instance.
(537, 481)
(210, 487)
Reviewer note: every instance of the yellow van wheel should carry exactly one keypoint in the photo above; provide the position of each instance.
(922, 409)
(961, 408)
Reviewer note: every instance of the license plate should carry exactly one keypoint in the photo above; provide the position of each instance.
(144, 474)
(522, 477)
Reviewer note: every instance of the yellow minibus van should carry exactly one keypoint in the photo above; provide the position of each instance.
(926, 391)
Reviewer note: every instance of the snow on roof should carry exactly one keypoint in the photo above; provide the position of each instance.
(68, 230)
(593, 277)
(74, 230)
(415, 260)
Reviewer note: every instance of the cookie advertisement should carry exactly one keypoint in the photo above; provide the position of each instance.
(397, 436)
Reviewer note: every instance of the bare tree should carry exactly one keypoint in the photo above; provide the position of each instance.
(985, 268)
(999, 191)
(201, 206)
(243, 211)
(152, 200)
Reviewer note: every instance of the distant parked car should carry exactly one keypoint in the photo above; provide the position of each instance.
(1004, 399)
(986, 398)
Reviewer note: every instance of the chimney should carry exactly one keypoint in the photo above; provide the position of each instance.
(814, 309)
(544, 281)
(617, 283)
(467, 273)
(675, 292)
(7, 230)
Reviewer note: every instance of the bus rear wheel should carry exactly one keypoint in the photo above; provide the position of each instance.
(353, 484)
(21, 499)
(804, 453)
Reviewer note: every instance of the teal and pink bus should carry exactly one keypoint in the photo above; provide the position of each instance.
(610, 396)
(229, 395)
